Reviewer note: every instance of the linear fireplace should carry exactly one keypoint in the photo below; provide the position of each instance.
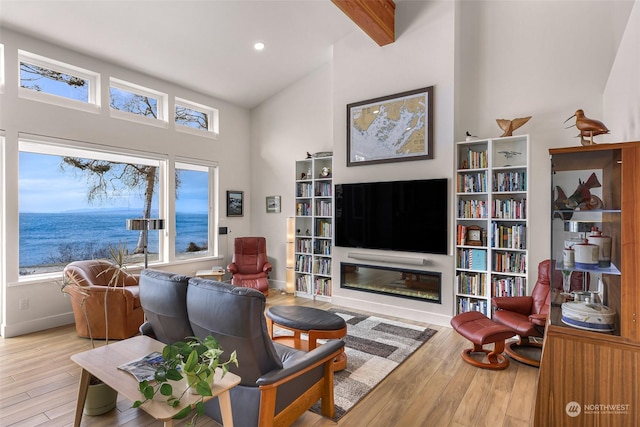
(397, 282)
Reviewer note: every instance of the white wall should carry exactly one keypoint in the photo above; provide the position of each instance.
(47, 305)
(284, 128)
(621, 101)
(422, 55)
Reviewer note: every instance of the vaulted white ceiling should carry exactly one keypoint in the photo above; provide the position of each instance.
(204, 45)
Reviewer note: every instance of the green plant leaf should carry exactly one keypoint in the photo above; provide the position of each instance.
(161, 374)
(200, 408)
(191, 362)
(148, 392)
(203, 388)
(166, 389)
(136, 404)
(174, 375)
(183, 413)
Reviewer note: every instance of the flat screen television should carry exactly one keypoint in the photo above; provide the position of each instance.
(399, 215)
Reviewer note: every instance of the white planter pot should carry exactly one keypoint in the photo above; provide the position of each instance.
(100, 399)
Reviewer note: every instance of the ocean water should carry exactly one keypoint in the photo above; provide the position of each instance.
(45, 237)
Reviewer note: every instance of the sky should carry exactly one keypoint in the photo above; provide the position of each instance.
(45, 188)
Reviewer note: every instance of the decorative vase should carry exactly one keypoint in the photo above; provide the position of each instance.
(604, 244)
(100, 399)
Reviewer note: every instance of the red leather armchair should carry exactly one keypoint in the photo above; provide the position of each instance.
(249, 265)
(89, 281)
(527, 315)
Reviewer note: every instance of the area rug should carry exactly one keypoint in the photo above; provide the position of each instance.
(375, 347)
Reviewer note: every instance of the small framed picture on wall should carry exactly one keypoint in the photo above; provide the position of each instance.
(235, 202)
(273, 204)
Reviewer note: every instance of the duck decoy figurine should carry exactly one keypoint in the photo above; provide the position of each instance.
(588, 127)
(508, 126)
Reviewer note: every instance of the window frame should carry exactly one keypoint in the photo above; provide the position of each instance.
(213, 114)
(161, 98)
(212, 209)
(92, 105)
(53, 146)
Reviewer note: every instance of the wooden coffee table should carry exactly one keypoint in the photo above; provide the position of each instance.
(103, 363)
(211, 274)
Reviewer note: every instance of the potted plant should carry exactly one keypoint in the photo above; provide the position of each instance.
(100, 397)
(196, 359)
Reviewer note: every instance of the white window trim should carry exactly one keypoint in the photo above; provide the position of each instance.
(93, 103)
(213, 113)
(161, 98)
(46, 145)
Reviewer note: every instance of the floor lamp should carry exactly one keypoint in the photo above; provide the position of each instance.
(144, 225)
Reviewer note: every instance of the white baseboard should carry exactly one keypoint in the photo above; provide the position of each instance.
(395, 311)
(35, 325)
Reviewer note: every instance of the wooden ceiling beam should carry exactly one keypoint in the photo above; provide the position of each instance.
(375, 17)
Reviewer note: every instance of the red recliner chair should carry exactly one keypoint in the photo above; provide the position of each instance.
(249, 265)
(527, 315)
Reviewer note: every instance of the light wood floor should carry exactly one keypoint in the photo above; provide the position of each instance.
(433, 387)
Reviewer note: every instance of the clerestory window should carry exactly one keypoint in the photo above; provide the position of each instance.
(196, 118)
(54, 82)
(137, 103)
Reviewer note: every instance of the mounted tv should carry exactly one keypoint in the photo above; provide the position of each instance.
(406, 216)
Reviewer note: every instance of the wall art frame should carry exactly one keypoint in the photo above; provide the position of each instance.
(273, 204)
(235, 203)
(393, 128)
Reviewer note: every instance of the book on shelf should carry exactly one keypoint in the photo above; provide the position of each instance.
(477, 259)
(144, 368)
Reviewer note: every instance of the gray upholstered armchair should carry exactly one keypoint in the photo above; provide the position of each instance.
(163, 297)
(275, 379)
(278, 383)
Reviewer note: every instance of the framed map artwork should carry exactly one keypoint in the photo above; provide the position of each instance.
(393, 128)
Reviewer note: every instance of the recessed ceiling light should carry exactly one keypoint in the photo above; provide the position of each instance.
(258, 46)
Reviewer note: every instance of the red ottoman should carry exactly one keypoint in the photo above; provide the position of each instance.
(480, 330)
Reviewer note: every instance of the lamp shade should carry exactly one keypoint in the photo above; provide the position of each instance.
(156, 224)
(145, 224)
(137, 224)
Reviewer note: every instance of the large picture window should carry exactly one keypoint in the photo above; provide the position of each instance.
(74, 202)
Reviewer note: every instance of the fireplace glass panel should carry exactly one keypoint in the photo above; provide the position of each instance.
(398, 282)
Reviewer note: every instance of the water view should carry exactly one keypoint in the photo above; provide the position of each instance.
(51, 238)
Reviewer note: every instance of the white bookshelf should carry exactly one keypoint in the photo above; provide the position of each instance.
(492, 192)
(313, 245)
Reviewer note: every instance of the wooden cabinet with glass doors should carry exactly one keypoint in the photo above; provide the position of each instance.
(591, 355)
